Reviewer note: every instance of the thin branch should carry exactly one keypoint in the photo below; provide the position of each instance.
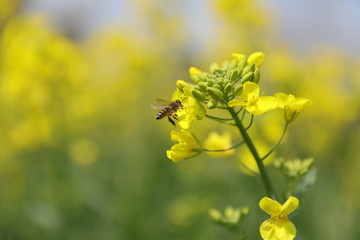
(220, 121)
(277, 144)
(218, 118)
(251, 122)
(223, 150)
(196, 154)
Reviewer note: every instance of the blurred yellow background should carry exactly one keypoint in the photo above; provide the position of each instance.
(82, 156)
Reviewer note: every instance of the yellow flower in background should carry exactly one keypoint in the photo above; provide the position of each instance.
(215, 141)
(252, 101)
(247, 163)
(193, 110)
(278, 227)
(292, 106)
(257, 58)
(187, 143)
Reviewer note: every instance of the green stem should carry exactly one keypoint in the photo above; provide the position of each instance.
(264, 176)
(277, 144)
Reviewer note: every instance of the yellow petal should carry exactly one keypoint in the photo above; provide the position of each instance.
(289, 206)
(178, 152)
(263, 105)
(250, 91)
(282, 99)
(235, 102)
(257, 58)
(270, 206)
(286, 230)
(277, 229)
(268, 230)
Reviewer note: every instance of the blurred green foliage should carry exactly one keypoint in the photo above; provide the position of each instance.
(82, 156)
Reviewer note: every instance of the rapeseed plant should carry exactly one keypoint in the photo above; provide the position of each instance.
(233, 87)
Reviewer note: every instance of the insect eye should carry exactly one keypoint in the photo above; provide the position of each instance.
(178, 102)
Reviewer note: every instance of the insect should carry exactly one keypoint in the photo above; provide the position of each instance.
(168, 109)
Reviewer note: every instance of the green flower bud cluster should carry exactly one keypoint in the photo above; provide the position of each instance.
(293, 168)
(231, 219)
(224, 81)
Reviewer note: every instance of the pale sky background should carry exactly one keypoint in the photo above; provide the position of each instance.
(305, 23)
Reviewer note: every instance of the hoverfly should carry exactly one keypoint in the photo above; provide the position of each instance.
(168, 109)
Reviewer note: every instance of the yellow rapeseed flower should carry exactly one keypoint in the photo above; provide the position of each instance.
(292, 106)
(252, 101)
(193, 110)
(278, 227)
(187, 143)
(216, 141)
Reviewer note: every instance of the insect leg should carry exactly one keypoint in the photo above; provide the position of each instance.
(172, 121)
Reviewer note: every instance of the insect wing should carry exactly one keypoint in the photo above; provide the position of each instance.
(158, 106)
(161, 103)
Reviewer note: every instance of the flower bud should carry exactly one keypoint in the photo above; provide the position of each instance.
(225, 64)
(238, 56)
(233, 63)
(218, 86)
(238, 89)
(203, 86)
(249, 68)
(194, 71)
(198, 95)
(228, 88)
(215, 215)
(234, 75)
(214, 67)
(212, 104)
(256, 76)
(181, 84)
(211, 82)
(195, 78)
(242, 63)
(247, 77)
(215, 93)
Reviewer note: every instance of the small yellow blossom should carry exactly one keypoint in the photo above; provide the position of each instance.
(253, 102)
(215, 141)
(193, 110)
(187, 143)
(292, 106)
(257, 58)
(278, 227)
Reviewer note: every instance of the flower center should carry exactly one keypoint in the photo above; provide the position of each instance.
(253, 99)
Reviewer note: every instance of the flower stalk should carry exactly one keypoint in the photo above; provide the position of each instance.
(264, 176)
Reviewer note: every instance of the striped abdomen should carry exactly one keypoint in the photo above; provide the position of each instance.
(163, 113)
